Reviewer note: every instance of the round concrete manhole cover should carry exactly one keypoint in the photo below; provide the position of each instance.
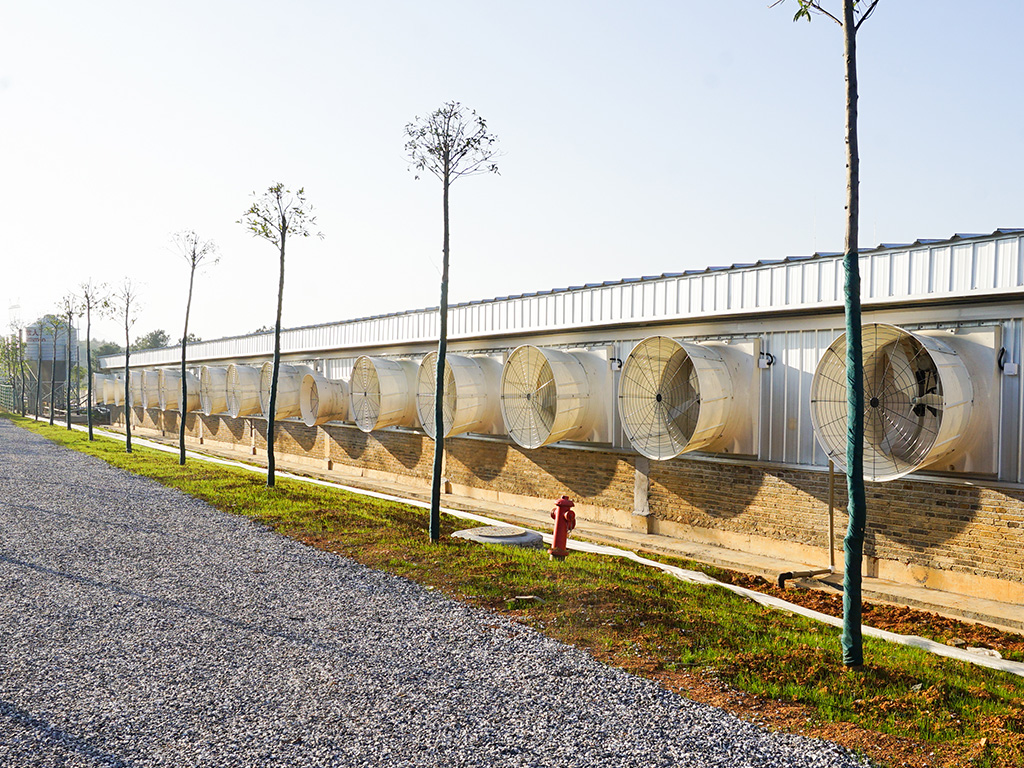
(502, 534)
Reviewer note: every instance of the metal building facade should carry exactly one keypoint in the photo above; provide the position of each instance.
(791, 308)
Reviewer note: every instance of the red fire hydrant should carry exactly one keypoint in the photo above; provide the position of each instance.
(565, 521)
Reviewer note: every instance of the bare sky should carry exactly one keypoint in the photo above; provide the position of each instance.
(638, 138)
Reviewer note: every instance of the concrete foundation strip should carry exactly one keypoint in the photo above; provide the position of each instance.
(693, 577)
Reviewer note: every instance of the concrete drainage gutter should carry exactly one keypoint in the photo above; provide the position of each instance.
(693, 577)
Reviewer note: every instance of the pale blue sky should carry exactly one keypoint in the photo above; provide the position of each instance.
(638, 138)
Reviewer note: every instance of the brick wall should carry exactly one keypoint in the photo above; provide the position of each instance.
(948, 535)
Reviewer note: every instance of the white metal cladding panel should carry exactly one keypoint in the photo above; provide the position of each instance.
(878, 276)
(941, 271)
(1007, 262)
(786, 431)
(962, 268)
(339, 368)
(1011, 397)
(983, 276)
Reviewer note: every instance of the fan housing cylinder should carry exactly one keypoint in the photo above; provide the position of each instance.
(170, 390)
(289, 382)
(135, 389)
(675, 397)
(322, 399)
(243, 391)
(470, 394)
(150, 389)
(382, 393)
(918, 400)
(213, 389)
(549, 395)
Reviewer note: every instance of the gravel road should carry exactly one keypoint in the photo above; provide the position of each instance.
(140, 627)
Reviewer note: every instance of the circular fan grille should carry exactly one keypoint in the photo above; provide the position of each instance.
(365, 388)
(426, 388)
(904, 402)
(659, 398)
(529, 397)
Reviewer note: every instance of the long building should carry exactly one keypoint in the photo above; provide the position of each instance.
(705, 405)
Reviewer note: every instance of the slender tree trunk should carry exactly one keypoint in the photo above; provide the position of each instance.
(39, 371)
(21, 368)
(88, 363)
(442, 350)
(127, 387)
(183, 409)
(53, 375)
(853, 546)
(67, 393)
(272, 413)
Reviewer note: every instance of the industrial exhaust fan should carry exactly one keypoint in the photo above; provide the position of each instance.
(917, 401)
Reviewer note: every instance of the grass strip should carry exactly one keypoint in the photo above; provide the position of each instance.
(906, 707)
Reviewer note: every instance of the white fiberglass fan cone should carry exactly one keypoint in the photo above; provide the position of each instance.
(674, 397)
(243, 390)
(110, 386)
(170, 390)
(322, 400)
(545, 397)
(289, 382)
(917, 401)
(382, 393)
(150, 389)
(213, 390)
(135, 388)
(99, 382)
(118, 391)
(466, 399)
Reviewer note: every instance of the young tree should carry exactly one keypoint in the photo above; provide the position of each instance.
(93, 299)
(125, 303)
(153, 340)
(854, 14)
(450, 142)
(21, 368)
(53, 324)
(69, 309)
(40, 325)
(196, 252)
(274, 216)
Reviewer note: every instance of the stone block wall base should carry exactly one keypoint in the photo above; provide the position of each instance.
(641, 523)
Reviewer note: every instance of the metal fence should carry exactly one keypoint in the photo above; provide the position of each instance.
(8, 397)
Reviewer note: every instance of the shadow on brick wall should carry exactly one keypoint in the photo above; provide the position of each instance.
(481, 460)
(298, 434)
(586, 474)
(225, 429)
(907, 519)
(351, 442)
(407, 449)
(700, 492)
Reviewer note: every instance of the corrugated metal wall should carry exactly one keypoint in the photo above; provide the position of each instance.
(760, 299)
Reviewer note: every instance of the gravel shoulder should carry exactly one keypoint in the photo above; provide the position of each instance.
(140, 627)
